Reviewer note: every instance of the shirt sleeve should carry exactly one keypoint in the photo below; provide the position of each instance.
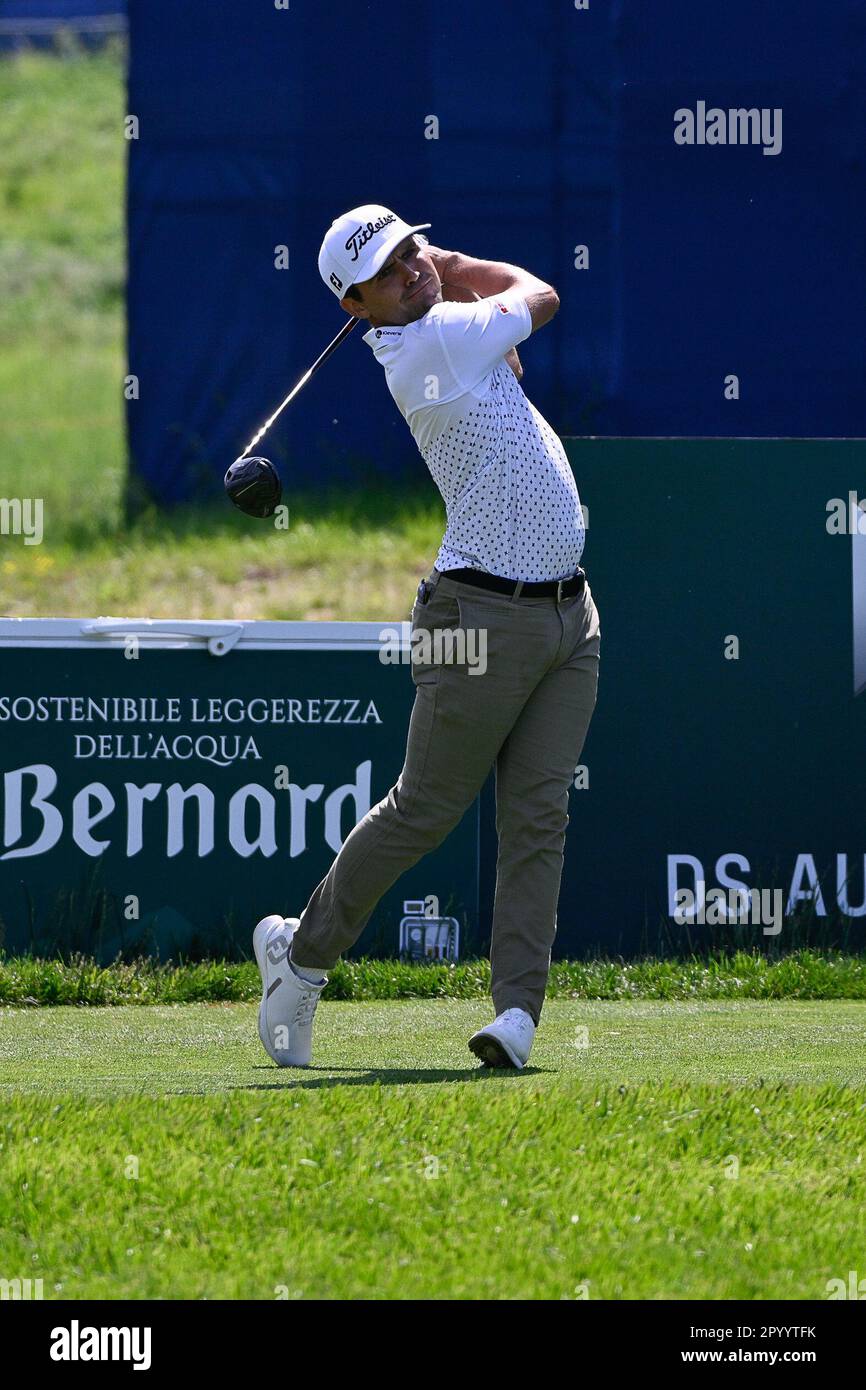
(475, 337)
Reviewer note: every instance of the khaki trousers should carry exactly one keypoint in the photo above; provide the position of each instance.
(527, 715)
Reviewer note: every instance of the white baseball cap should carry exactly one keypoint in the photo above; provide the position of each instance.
(359, 243)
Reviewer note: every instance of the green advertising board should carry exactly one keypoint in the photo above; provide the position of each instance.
(165, 785)
(713, 759)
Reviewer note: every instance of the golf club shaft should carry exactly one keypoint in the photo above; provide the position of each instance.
(332, 346)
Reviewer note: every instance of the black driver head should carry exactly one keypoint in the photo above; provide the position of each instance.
(253, 484)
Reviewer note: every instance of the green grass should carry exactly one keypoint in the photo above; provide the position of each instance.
(62, 160)
(62, 157)
(803, 974)
(347, 554)
(687, 1151)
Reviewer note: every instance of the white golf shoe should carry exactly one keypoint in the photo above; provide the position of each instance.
(507, 1041)
(289, 1003)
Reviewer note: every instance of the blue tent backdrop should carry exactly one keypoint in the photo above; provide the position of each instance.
(259, 124)
(37, 23)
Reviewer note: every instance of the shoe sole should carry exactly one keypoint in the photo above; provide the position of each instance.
(492, 1052)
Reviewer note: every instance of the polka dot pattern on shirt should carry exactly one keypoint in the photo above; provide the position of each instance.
(510, 497)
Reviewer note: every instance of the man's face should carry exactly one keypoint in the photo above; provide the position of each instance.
(402, 291)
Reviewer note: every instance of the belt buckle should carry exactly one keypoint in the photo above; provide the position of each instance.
(559, 584)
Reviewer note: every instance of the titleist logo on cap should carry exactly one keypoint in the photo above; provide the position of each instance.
(359, 238)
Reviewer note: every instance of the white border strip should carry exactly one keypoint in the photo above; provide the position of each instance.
(91, 634)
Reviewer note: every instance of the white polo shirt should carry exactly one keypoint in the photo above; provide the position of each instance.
(510, 498)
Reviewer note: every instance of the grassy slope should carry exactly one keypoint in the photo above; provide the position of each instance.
(61, 289)
(394, 1169)
(62, 161)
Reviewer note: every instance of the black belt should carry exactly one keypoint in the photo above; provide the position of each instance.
(561, 588)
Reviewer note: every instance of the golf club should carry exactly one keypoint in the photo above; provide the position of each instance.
(323, 357)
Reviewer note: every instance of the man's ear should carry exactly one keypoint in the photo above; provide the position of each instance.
(355, 307)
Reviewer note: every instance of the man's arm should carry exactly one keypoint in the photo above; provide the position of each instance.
(492, 277)
(461, 294)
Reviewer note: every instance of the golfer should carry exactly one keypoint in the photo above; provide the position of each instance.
(445, 328)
